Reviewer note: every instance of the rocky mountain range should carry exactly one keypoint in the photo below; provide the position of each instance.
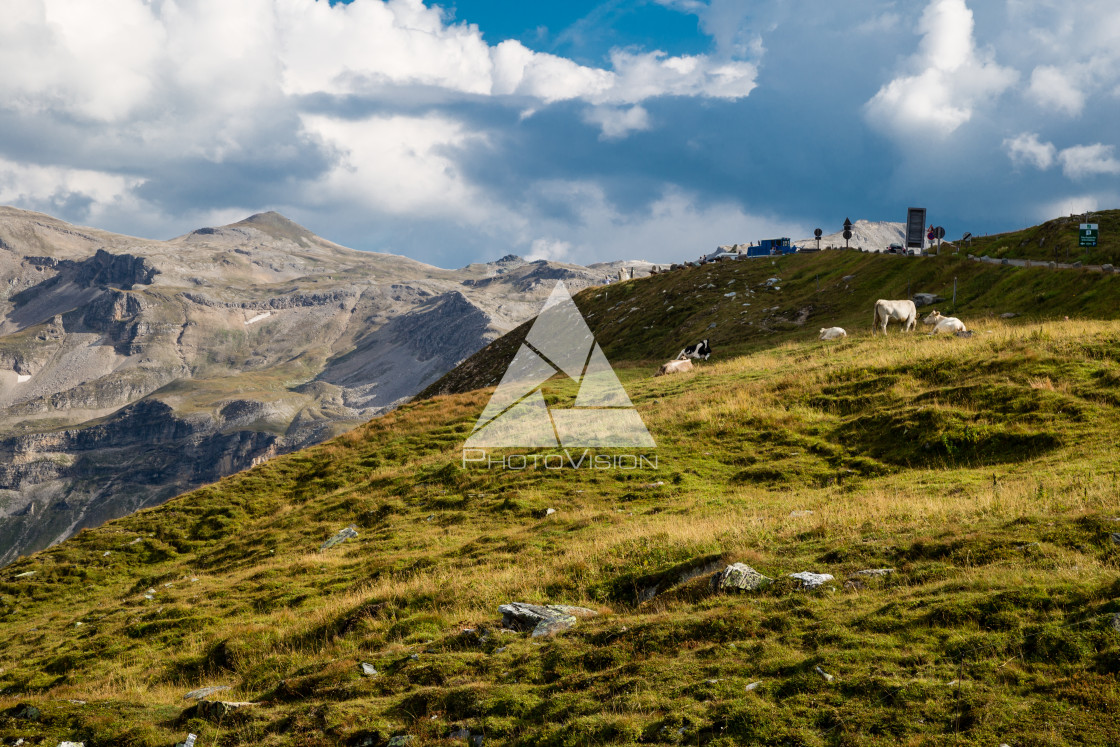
(133, 369)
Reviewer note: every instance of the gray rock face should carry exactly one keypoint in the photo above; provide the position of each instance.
(739, 577)
(118, 350)
(926, 299)
(542, 620)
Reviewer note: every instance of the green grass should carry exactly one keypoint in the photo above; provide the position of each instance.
(1056, 240)
(983, 470)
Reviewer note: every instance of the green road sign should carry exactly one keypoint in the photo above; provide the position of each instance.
(1088, 234)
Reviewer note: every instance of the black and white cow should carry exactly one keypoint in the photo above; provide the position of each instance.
(698, 351)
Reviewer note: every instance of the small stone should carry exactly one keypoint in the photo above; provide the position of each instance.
(739, 577)
(106, 554)
(414, 657)
(400, 740)
(711, 681)
(71, 744)
(811, 580)
(189, 742)
(367, 670)
(794, 514)
(342, 535)
(1115, 538)
(1008, 315)
(202, 692)
(827, 677)
(550, 512)
(460, 733)
(754, 685)
(1116, 621)
(25, 574)
(133, 542)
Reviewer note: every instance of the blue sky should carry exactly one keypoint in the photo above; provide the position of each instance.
(584, 131)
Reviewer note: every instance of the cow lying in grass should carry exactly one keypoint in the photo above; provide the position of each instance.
(832, 333)
(677, 366)
(697, 351)
(944, 324)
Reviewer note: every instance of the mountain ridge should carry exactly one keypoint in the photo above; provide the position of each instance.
(261, 312)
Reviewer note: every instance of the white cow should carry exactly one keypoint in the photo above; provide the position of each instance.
(677, 366)
(832, 333)
(944, 324)
(949, 324)
(904, 312)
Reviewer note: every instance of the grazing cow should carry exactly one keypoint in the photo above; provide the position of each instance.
(832, 333)
(903, 312)
(697, 351)
(677, 366)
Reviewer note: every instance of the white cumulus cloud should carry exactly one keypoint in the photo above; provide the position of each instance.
(1054, 88)
(950, 78)
(1026, 149)
(1083, 161)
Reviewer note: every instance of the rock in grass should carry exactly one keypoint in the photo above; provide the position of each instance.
(341, 536)
(795, 514)
(827, 677)
(739, 577)
(400, 740)
(754, 685)
(71, 744)
(202, 692)
(25, 712)
(541, 619)
(367, 670)
(811, 580)
(875, 572)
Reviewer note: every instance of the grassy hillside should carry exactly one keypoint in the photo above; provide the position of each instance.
(650, 320)
(1056, 240)
(981, 470)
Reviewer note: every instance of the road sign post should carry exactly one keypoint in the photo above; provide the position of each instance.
(1088, 234)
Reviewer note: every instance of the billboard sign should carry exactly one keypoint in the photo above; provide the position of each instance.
(915, 227)
(1088, 234)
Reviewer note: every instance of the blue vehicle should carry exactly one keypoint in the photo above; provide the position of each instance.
(769, 247)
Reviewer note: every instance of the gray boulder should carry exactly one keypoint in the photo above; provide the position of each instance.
(811, 580)
(1008, 315)
(739, 577)
(342, 535)
(926, 299)
(541, 619)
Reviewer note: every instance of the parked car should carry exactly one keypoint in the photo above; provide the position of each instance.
(896, 249)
